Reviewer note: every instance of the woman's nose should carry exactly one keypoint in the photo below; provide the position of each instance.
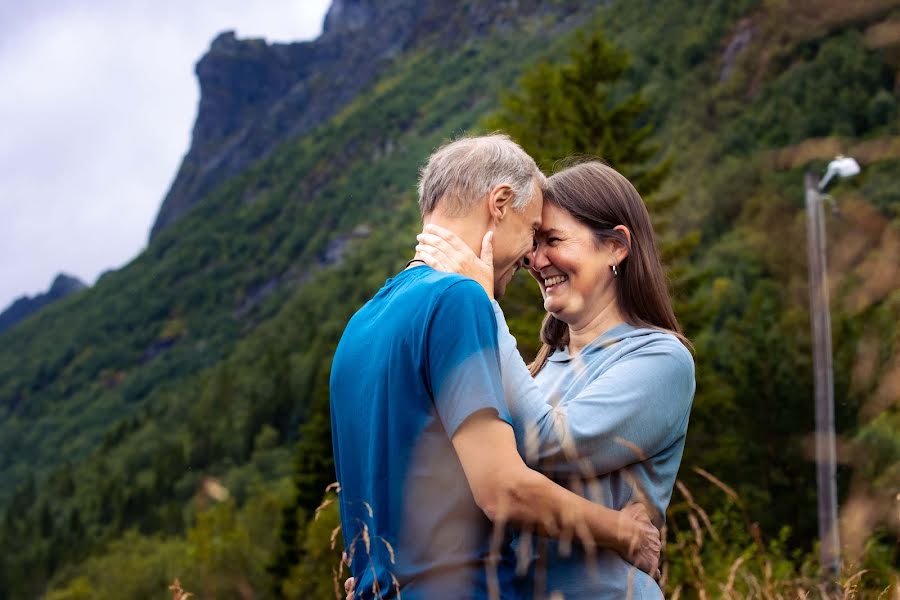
(537, 258)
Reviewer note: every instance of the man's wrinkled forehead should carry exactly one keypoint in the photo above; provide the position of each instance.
(537, 204)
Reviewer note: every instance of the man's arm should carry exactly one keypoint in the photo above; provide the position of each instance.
(463, 370)
(509, 492)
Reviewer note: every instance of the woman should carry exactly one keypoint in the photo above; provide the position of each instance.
(604, 407)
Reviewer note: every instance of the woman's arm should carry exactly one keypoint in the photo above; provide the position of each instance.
(637, 408)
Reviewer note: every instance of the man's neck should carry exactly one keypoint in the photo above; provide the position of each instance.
(470, 228)
(584, 333)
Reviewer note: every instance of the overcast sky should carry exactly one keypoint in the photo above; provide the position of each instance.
(97, 102)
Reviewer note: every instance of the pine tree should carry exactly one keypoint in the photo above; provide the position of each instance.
(573, 109)
(582, 108)
(313, 472)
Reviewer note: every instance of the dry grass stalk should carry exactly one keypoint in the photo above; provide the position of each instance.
(336, 575)
(524, 552)
(334, 534)
(366, 540)
(390, 550)
(493, 558)
(335, 582)
(325, 504)
(637, 450)
(851, 585)
(698, 532)
(696, 507)
(396, 585)
(177, 592)
(718, 483)
(895, 587)
(729, 585)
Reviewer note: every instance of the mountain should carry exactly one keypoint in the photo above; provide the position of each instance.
(254, 95)
(205, 361)
(311, 227)
(62, 286)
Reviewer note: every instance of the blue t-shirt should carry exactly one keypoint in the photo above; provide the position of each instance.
(412, 365)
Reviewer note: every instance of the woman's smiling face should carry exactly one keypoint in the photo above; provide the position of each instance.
(572, 269)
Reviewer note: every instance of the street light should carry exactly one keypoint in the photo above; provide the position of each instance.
(841, 166)
(823, 375)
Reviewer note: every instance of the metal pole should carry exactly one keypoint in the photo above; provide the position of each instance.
(826, 460)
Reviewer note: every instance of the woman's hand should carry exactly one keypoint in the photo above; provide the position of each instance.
(350, 582)
(443, 250)
(642, 544)
(350, 588)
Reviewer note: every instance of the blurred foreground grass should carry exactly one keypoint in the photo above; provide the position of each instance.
(710, 552)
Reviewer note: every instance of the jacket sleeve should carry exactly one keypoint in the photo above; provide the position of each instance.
(634, 410)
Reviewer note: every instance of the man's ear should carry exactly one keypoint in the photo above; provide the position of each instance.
(499, 201)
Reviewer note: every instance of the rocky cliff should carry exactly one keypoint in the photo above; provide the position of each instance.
(255, 95)
(62, 286)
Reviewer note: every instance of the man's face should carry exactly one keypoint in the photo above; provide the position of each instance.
(514, 240)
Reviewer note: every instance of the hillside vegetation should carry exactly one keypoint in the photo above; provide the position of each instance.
(172, 420)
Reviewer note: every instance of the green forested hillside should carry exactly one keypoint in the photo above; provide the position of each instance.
(204, 363)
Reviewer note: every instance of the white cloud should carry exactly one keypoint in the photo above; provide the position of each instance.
(96, 109)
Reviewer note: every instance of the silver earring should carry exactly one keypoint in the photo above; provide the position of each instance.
(615, 270)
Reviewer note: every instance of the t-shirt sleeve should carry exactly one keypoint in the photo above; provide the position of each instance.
(463, 359)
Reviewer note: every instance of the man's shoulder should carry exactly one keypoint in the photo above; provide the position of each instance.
(429, 276)
(450, 286)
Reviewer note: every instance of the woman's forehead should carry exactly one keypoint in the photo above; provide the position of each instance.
(554, 217)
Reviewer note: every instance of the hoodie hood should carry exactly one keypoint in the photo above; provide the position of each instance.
(614, 335)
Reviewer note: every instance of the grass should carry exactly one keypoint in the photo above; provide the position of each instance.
(723, 555)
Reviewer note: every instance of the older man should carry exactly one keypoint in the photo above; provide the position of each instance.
(424, 449)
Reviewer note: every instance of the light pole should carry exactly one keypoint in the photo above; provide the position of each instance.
(823, 375)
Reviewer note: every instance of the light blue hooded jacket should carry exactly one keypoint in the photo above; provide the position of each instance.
(610, 425)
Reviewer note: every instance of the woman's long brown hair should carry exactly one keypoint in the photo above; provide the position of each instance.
(601, 198)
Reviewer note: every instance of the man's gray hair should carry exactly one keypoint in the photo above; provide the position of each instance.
(461, 172)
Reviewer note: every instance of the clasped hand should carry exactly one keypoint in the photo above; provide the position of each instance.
(443, 250)
(643, 549)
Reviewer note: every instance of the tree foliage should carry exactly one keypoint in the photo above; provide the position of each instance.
(208, 355)
(583, 107)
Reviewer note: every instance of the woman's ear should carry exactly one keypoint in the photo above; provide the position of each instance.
(621, 252)
(499, 201)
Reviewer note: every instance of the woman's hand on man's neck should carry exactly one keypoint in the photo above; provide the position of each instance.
(470, 228)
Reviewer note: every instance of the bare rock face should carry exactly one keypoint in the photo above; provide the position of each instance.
(242, 83)
(348, 15)
(255, 95)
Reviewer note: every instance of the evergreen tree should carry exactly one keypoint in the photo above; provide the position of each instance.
(313, 472)
(583, 108)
